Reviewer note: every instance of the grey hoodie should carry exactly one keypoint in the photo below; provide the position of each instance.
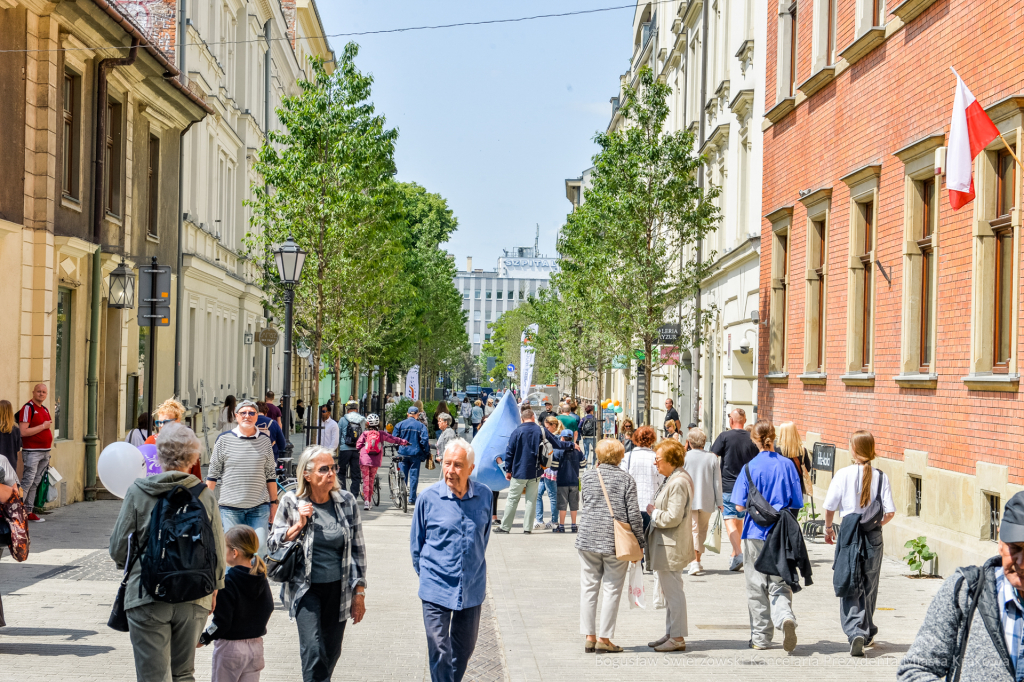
(136, 509)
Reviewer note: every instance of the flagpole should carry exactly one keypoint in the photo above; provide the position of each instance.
(1010, 149)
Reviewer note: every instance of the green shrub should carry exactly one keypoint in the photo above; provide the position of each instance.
(919, 553)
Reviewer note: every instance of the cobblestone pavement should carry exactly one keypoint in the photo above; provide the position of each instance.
(57, 604)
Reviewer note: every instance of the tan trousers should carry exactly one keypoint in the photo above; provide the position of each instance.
(700, 521)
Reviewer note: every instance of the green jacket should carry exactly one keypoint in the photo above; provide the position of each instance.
(136, 509)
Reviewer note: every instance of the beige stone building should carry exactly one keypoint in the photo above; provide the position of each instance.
(92, 110)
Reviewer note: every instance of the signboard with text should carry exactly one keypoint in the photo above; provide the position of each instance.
(823, 457)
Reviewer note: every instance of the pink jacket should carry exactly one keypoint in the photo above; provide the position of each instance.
(372, 437)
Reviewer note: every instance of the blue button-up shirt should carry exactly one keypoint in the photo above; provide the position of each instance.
(1011, 616)
(448, 544)
(777, 480)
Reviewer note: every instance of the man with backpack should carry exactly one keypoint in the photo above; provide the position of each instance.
(36, 439)
(588, 432)
(350, 427)
(973, 628)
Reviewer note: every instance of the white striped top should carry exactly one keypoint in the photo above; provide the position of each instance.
(242, 466)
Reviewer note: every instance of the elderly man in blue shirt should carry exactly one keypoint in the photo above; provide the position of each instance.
(450, 529)
(413, 454)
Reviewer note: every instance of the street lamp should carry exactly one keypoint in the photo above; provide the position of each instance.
(289, 258)
(121, 288)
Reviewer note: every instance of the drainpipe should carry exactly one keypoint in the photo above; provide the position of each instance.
(700, 183)
(179, 316)
(91, 436)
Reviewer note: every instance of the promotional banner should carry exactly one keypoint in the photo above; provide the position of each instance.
(412, 382)
(492, 439)
(526, 355)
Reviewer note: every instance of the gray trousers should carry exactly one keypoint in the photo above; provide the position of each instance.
(517, 488)
(602, 577)
(164, 638)
(769, 600)
(857, 610)
(37, 463)
(675, 603)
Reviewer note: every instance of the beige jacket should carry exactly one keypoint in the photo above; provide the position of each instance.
(671, 534)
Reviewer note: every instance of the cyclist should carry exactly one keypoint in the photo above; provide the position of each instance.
(413, 454)
(371, 451)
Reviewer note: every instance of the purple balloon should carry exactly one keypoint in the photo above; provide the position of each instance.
(152, 464)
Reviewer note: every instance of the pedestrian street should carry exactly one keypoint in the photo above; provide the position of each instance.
(57, 604)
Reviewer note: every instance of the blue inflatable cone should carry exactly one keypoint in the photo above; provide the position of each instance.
(491, 441)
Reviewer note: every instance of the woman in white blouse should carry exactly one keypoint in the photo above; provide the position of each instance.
(853, 490)
(639, 463)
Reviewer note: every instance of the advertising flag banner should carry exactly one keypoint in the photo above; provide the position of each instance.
(412, 381)
(526, 356)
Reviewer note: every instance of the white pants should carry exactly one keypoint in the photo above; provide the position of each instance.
(600, 575)
(769, 600)
(671, 583)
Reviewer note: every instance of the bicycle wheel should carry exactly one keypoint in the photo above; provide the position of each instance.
(376, 492)
(395, 486)
(405, 495)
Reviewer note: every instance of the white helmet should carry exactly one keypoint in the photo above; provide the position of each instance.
(373, 420)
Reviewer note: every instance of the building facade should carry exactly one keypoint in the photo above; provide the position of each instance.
(245, 58)
(520, 273)
(886, 310)
(93, 113)
(712, 54)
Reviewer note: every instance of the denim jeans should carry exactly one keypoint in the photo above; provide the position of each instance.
(551, 488)
(257, 518)
(451, 638)
(411, 471)
(590, 449)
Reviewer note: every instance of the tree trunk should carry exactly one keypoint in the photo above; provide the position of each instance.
(648, 348)
(600, 396)
(337, 385)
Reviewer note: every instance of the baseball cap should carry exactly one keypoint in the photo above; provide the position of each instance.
(245, 403)
(413, 410)
(1011, 529)
(566, 433)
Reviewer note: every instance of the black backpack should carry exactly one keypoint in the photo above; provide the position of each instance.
(180, 560)
(351, 434)
(589, 427)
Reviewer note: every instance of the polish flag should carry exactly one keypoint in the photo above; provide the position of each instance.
(970, 132)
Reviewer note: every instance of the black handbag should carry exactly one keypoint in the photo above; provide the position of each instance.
(118, 619)
(871, 517)
(763, 513)
(283, 564)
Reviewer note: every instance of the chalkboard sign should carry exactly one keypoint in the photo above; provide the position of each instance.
(823, 458)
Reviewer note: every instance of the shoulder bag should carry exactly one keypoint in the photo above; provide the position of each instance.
(118, 619)
(871, 517)
(283, 564)
(626, 546)
(760, 510)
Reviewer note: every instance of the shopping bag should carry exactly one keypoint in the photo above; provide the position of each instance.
(637, 599)
(713, 542)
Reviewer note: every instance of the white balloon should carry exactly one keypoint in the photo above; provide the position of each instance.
(119, 465)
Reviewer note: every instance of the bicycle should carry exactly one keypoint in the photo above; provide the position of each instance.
(398, 488)
(285, 482)
(376, 491)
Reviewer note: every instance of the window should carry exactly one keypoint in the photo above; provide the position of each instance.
(1002, 229)
(878, 12)
(915, 498)
(65, 347)
(925, 243)
(792, 51)
(112, 162)
(476, 314)
(830, 33)
(488, 294)
(476, 338)
(818, 204)
(817, 247)
(153, 196)
(522, 294)
(477, 294)
(511, 295)
(860, 301)
(779, 298)
(499, 292)
(69, 170)
(867, 211)
(465, 294)
(487, 337)
(993, 516)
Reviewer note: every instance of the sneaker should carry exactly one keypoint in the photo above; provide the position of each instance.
(499, 529)
(33, 517)
(575, 528)
(366, 506)
(548, 526)
(558, 529)
(789, 630)
(693, 568)
(751, 645)
(537, 525)
(857, 646)
(870, 641)
(736, 563)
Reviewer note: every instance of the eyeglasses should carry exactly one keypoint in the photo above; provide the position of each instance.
(160, 422)
(246, 413)
(324, 470)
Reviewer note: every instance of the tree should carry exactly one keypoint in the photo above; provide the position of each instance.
(631, 240)
(329, 184)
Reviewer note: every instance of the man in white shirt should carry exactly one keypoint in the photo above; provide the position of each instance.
(331, 434)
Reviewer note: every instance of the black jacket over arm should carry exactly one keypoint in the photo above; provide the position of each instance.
(784, 552)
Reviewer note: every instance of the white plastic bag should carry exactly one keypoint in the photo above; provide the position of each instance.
(713, 542)
(637, 599)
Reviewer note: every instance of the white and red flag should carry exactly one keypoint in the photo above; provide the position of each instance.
(969, 133)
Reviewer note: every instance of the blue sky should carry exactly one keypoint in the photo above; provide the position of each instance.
(493, 118)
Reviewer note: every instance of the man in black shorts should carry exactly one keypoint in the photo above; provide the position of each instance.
(734, 449)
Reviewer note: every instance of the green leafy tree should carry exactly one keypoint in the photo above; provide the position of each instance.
(639, 223)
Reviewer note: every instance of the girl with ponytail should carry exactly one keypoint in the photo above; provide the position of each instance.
(243, 609)
(853, 492)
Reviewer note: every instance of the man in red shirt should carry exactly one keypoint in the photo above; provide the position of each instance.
(36, 440)
(273, 411)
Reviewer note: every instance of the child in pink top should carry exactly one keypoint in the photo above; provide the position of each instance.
(371, 452)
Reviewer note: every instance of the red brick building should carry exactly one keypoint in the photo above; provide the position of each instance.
(883, 308)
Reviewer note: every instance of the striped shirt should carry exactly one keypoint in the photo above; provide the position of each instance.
(597, 534)
(1011, 614)
(242, 465)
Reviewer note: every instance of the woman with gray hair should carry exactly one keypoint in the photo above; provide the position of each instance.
(164, 635)
(446, 434)
(706, 474)
(330, 586)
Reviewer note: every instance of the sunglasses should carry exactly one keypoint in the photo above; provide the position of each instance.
(160, 422)
(247, 413)
(324, 470)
